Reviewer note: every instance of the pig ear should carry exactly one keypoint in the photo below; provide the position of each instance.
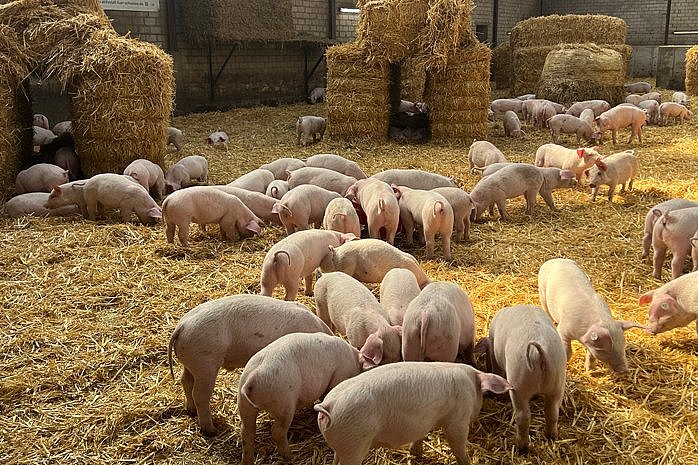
(482, 346)
(288, 174)
(346, 237)
(646, 298)
(396, 190)
(253, 227)
(694, 242)
(580, 153)
(56, 188)
(598, 338)
(602, 166)
(373, 349)
(276, 208)
(493, 383)
(595, 148)
(626, 325)
(155, 212)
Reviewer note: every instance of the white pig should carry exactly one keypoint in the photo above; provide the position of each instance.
(501, 105)
(638, 87)
(41, 136)
(277, 188)
(318, 94)
(597, 106)
(587, 115)
(398, 288)
(567, 295)
(310, 127)
(380, 205)
(40, 178)
(282, 166)
(438, 325)
(302, 206)
(340, 215)
(576, 160)
(511, 181)
(347, 306)
(622, 117)
(217, 334)
(512, 125)
(462, 206)
(295, 257)
(148, 175)
(288, 375)
(652, 109)
(68, 194)
(34, 203)
(218, 138)
(186, 172)
(322, 177)
(673, 231)
(63, 127)
(206, 205)
(680, 97)
(336, 163)
(483, 153)
(619, 168)
(655, 213)
(400, 403)
(568, 124)
(675, 111)
(524, 347)
(530, 108)
(108, 190)
(555, 178)
(260, 204)
(414, 179)
(673, 305)
(544, 113)
(40, 120)
(256, 180)
(175, 137)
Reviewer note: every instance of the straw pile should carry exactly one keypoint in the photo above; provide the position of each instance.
(533, 38)
(358, 93)
(458, 96)
(501, 65)
(577, 72)
(692, 70)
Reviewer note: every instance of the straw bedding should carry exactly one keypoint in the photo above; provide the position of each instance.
(692, 70)
(88, 308)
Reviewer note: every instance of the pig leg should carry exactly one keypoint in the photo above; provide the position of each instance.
(408, 225)
(125, 213)
(501, 206)
(611, 191)
(160, 189)
(646, 242)
(291, 290)
(613, 136)
(183, 234)
(279, 431)
(659, 249)
(170, 232)
(204, 381)
(548, 197)
(309, 285)
(589, 361)
(530, 196)
(248, 429)
(594, 191)
(456, 432)
(187, 381)
(522, 416)
(446, 244)
(568, 346)
(552, 412)
(678, 260)
(91, 205)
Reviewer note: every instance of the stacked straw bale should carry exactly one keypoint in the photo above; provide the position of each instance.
(358, 93)
(692, 70)
(576, 72)
(501, 65)
(413, 78)
(533, 38)
(448, 29)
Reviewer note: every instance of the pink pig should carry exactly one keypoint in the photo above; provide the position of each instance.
(673, 231)
(255, 180)
(398, 288)
(148, 175)
(462, 207)
(673, 305)
(40, 178)
(380, 205)
(303, 206)
(576, 160)
(186, 172)
(277, 188)
(260, 204)
(336, 163)
(340, 215)
(282, 166)
(655, 213)
(322, 177)
(414, 179)
(512, 125)
(483, 153)
(622, 117)
(34, 203)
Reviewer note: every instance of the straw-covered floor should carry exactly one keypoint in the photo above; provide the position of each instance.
(88, 308)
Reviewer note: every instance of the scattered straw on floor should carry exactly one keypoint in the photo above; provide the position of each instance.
(88, 308)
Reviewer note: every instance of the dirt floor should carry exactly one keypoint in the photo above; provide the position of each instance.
(88, 308)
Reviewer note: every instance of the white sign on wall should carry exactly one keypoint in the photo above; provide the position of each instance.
(131, 5)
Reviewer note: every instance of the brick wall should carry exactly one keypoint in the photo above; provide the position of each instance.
(310, 18)
(510, 13)
(150, 26)
(346, 26)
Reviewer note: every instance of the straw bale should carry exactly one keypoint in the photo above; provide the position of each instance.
(458, 96)
(577, 72)
(227, 21)
(561, 29)
(502, 67)
(692, 70)
(448, 29)
(412, 79)
(358, 93)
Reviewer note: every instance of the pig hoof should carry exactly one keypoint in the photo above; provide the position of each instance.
(209, 432)
(522, 448)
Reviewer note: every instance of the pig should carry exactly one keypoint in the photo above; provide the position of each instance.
(653, 96)
(288, 375)
(462, 206)
(411, 107)
(67, 194)
(40, 178)
(509, 182)
(347, 306)
(175, 137)
(491, 169)
(438, 325)
(512, 125)
(380, 205)
(619, 168)
(545, 112)
(34, 203)
(526, 97)
(368, 260)
(673, 305)
(340, 215)
(501, 105)
(149, 175)
(277, 188)
(310, 127)
(256, 180)
(218, 138)
(66, 158)
(186, 172)
(555, 178)
(398, 288)
(118, 191)
(587, 115)
(651, 107)
(490, 116)
(681, 98)
(634, 99)
(282, 166)
(524, 347)
(570, 300)
(406, 401)
(41, 136)
(431, 212)
(673, 110)
(217, 334)
(63, 127)
(40, 120)
(414, 179)
(483, 153)
(638, 87)
(260, 204)
(654, 214)
(321, 177)
(295, 257)
(576, 160)
(318, 94)
(673, 231)
(568, 124)
(303, 206)
(336, 163)
(529, 108)
(206, 205)
(597, 106)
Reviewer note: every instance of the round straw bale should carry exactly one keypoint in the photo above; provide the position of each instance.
(692, 70)
(563, 29)
(502, 69)
(577, 72)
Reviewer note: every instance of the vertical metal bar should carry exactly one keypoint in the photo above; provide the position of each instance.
(171, 26)
(332, 18)
(211, 80)
(668, 19)
(305, 72)
(495, 22)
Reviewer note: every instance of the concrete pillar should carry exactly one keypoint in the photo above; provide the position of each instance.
(671, 66)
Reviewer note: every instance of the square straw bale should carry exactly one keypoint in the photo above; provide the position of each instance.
(448, 29)
(692, 70)
(563, 29)
(412, 79)
(527, 65)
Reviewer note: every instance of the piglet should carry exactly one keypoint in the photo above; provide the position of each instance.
(438, 325)
(511, 181)
(302, 206)
(587, 115)
(340, 215)
(483, 153)
(524, 347)
(40, 120)
(414, 179)
(206, 205)
(622, 117)
(544, 113)
(218, 138)
(568, 124)
(63, 127)
(673, 305)
(567, 295)
(336, 163)
(108, 190)
(407, 400)
(655, 213)
(680, 97)
(368, 260)
(295, 257)
(638, 87)
(34, 203)
(277, 188)
(673, 231)
(512, 125)
(40, 178)
(675, 111)
(256, 180)
(282, 166)
(148, 175)
(260, 204)
(322, 177)
(462, 206)
(175, 137)
(576, 160)
(318, 94)
(217, 334)
(67, 194)
(346, 305)
(501, 105)
(288, 375)
(67, 159)
(597, 106)
(651, 107)
(186, 172)
(310, 127)
(41, 136)
(398, 288)
(555, 178)
(619, 168)
(380, 205)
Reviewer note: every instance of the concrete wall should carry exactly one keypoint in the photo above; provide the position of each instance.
(671, 66)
